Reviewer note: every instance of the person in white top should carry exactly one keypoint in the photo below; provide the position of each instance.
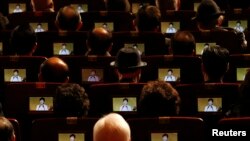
(79, 9)
(238, 27)
(171, 28)
(72, 137)
(15, 77)
(17, 9)
(170, 76)
(125, 106)
(93, 77)
(165, 137)
(64, 50)
(39, 28)
(210, 107)
(42, 106)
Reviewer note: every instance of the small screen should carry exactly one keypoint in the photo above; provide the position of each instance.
(71, 137)
(169, 74)
(200, 46)
(124, 104)
(241, 72)
(63, 48)
(41, 103)
(81, 8)
(164, 136)
(239, 25)
(1, 48)
(92, 75)
(139, 46)
(106, 25)
(170, 27)
(210, 104)
(39, 27)
(17, 7)
(14, 75)
(196, 5)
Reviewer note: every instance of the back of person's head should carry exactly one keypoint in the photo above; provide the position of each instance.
(207, 14)
(54, 70)
(128, 63)
(148, 18)
(118, 5)
(99, 41)
(158, 98)
(183, 43)
(71, 100)
(111, 127)
(68, 19)
(23, 40)
(6, 130)
(42, 5)
(215, 60)
(165, 5)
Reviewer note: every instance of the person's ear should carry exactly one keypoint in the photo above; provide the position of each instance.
(204, 72)
(110, 47)
(135, 26)
(34, 48)
(13, 138)
(40, 77)
(79, 26)
(67, 79)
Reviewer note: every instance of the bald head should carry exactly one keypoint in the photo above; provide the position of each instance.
(111, 127)
(6, 130)
(42, 5)
(54, 70)
(99, 41)
(68, 19)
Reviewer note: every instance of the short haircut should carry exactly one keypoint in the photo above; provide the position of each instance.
(125, 99)
(118, 5)
(165, 135)
(215, 60)
(170, 70)
(42, 98)
(99, 43)
(158, 98)
(72, 135)
(148, 18)
(111, 127)
(15, 70)
(23, 39)
(68, 18)
(71, 100)
(210, 99)
(6, 129)
(183, 43)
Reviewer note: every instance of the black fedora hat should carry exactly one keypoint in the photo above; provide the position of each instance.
(208, 10)
(128, 58)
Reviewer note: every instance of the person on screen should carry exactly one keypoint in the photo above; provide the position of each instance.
(105, 127)
(64, 50)
(42, 5)
(17, 9)
(125, 106)
(210, 107)
(128, 64)
(206, 45)
(215, 63)
(105, 26)
(54, 69)
(170, 76)
(39, 28)
(93, 77)
(165, 137)
(16, 77)
(99, 42)
(7, 132)
(71, 100)
(238, 26)
(79, 9)
(171, 28)
(23, 40)
(72, 137)
(68, 19)
(42, 106)
(159, 98)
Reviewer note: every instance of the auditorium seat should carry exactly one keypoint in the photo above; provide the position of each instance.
(177, 128)
(57, 129)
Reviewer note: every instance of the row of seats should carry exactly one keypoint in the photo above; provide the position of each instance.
(142, 129)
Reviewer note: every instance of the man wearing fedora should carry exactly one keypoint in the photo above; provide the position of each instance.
(128, 65)
(209, 17)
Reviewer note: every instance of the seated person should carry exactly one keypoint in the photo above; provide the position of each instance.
(128, 65)
(42, 5)
(42, 106)
(68, 19)
(238, 27)
(23, 40)
(125, 106)
(165, 137)
(215, 63)
(99, 42)
(7, 132)
(71, 100)
(183, 43)
(158, 98)
(210, 107)
(54, 70)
